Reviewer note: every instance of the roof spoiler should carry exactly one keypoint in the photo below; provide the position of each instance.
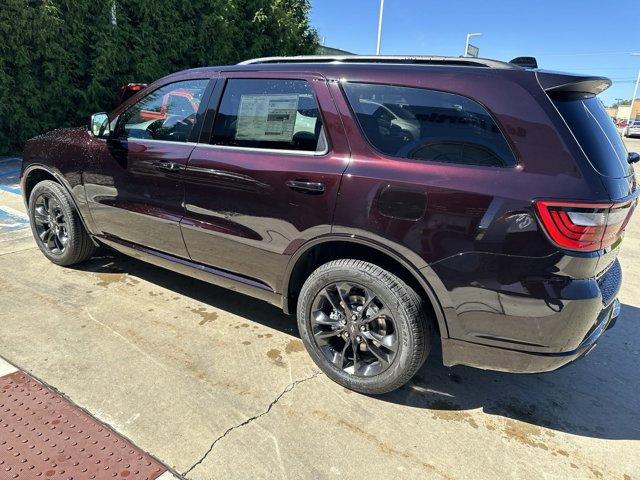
(526, 62)
(561, 83)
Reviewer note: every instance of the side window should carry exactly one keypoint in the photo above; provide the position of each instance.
(167, 113)
(428, 125)
(270, 114)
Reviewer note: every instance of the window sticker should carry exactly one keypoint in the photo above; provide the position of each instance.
(267, 117)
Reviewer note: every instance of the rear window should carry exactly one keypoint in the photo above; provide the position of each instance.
(422, 124)
(596, 134)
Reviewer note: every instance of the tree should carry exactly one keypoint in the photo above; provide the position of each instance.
(61, 60)
(621, 103)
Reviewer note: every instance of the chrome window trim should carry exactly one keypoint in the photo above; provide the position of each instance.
(153, 140)
(267, 150)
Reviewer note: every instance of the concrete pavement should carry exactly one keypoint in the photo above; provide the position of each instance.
(218, 385)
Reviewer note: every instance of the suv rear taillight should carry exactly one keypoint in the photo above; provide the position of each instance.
(584, 227)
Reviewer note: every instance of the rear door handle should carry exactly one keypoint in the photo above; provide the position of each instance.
(167, 166)
(305, 186)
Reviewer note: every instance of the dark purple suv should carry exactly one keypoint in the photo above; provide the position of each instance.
(383, 200)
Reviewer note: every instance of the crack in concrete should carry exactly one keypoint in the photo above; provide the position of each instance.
(286, 390)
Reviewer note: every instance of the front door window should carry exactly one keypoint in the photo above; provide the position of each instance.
(168, 113)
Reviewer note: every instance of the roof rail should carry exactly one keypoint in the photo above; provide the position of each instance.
(387, 59)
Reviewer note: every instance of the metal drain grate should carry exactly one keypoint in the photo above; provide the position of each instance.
(43, 436)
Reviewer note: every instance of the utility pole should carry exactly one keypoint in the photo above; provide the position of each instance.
(380, 27)
(635, 92)
(466, 46)
(114, 18)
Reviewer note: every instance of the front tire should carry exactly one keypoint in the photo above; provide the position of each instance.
(56, 225)
(363, 326)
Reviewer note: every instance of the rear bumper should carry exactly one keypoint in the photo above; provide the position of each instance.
(459, 352)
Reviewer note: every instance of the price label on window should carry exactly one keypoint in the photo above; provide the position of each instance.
(267, 117)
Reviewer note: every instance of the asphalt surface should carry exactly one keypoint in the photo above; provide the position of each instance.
(217, 385)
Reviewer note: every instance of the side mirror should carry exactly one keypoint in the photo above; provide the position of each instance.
(99, 125)
(634, 157)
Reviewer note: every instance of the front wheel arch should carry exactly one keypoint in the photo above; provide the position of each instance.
(35, 174)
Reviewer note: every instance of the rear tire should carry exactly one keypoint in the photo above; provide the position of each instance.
(363, 326)
(56, 225)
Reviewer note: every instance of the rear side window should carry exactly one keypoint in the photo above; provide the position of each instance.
(269, 114)
(428, 125)
(595, 132)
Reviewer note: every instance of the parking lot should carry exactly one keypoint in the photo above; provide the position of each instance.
(217, 385)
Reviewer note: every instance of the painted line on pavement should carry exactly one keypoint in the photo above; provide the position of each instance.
(14, 212)
(10, 169)
(6, 368)
(167, 476)
(12, 220)
(10, 189)
(7, 173)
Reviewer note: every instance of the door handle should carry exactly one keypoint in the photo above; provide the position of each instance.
(305, 186)
(167, 166)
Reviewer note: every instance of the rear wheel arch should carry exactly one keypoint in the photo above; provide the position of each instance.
(320, 251)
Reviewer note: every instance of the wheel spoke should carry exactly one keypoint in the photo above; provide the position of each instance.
(390, 342)
(377, 352)
(40, 217)
(340, 365)
(56, 242)
(44, 235)
(320, 318)
(47, 201)
(354, 347)
(370, 299)
(335, 303)
(382, 312)
(328, 333)
(44, 201)
(344, 299)
(52, 207)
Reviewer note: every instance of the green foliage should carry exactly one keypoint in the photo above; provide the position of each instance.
(61, 60)
(621, 103)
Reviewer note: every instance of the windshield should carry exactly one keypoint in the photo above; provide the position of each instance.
(596, 134)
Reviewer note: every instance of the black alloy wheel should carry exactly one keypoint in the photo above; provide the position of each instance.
(57, 226)
(363, 326)
(50, 223)
(353, 329)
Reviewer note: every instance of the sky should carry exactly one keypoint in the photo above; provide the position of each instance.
(593, 37)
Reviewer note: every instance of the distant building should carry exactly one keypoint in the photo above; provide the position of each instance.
(622, 112)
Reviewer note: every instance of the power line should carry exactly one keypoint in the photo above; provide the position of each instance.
(577, 54)
(583, 54)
